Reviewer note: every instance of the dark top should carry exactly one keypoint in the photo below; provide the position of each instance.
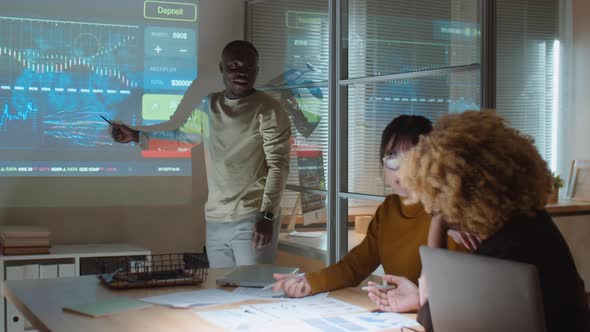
(536, 240)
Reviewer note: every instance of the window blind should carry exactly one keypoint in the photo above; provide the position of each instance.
(526, 34)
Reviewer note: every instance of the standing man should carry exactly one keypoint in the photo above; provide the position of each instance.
(247, 145)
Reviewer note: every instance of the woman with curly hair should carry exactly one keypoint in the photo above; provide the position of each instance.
(477, 175)
(394, 235)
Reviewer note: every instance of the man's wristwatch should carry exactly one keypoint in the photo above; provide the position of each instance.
(267, 216)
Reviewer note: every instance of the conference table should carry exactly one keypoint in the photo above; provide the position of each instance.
(42, 302)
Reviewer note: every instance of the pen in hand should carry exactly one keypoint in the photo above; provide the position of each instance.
(295, 275)
(107, 120)
(379, 287)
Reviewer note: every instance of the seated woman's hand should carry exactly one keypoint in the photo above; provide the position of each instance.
(294, 287)
(468, 240)
(404, 298)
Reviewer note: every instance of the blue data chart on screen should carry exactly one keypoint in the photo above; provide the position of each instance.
(64, 63)
(62, 75)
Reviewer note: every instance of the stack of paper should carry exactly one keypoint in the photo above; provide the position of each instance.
(24, 240)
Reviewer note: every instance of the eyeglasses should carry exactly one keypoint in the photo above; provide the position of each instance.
(391, 162)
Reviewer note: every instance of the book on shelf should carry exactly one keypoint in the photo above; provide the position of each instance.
(14, 231)
(17, 242)
(24, 251)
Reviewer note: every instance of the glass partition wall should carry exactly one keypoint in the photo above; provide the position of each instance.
(343, 69)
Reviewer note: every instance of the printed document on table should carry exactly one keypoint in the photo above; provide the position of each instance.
(205, 297)
(243, 319)
(306, 308)
(366, 321)
(252, 320)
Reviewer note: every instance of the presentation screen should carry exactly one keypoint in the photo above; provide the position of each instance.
(66, 63)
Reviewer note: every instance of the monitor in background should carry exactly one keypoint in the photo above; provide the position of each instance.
(467, 292)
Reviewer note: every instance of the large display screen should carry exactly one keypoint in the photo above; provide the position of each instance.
(64, 63)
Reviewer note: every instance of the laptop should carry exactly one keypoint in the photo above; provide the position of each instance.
(467, 292)
(259, 275)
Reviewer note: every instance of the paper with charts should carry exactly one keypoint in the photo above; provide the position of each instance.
(307, 314)
(205, 297)
(323, 315)
(366, 321)
(360, 322)
(305, 308)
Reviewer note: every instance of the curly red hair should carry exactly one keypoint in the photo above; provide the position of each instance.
(477, 172)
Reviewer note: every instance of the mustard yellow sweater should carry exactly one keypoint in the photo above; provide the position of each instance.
(393, 238)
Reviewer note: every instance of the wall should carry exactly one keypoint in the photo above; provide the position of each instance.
(177, 228)
(576, 229)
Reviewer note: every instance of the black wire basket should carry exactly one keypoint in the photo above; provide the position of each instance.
(155, 271)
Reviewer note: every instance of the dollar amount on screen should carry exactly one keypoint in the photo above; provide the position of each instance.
(181, 83)
(179, 35)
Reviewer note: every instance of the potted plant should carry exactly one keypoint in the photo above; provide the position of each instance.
(557, 184)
